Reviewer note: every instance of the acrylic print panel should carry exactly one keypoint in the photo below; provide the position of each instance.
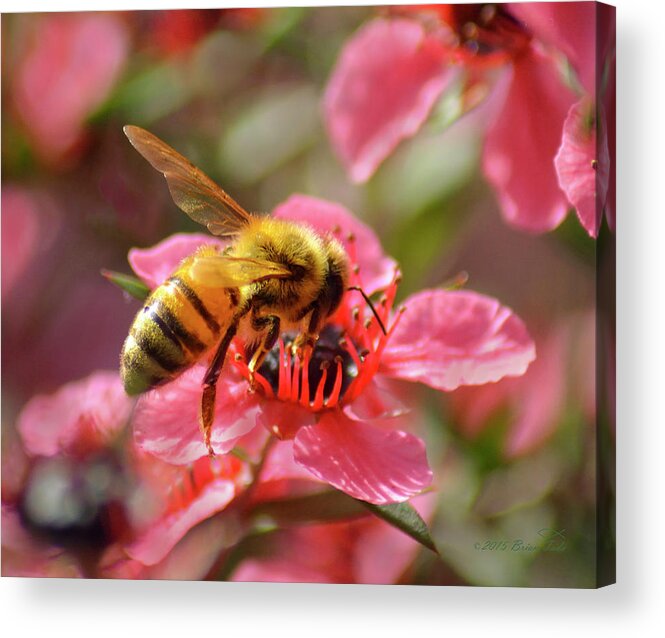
(400, 371)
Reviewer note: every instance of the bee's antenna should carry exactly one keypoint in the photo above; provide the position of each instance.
(371, 306)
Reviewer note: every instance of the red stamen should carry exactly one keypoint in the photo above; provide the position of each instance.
(353, 259)
(337, 387)
(390, 293)
(351, 349)
(304, 391)
(295, 380)
(318, 398)
(243, 368)
(370, 333)
(354, 278)
(284, 383)
(264, 384)
(383, 342)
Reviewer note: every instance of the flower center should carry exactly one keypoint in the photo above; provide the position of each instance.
(329, 359)
(484, 34)
(344, 360)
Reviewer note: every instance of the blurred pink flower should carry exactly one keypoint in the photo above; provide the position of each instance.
(27, 557)
(521, 144)
(189, 495)
(65, 501)
(68, 69)
(388, 78)
(569, 27)
(584, 33)
(583, 163)
(392, 72)
(333, 404)
(562, 376)
(174, 32)
(82, 417)
(20, 233)
(364, 551)
(175, 533)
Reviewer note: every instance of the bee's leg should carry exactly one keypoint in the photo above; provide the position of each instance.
(309, 338)
(207, 415)
(272, 323)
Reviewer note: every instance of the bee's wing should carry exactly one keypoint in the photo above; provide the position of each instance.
(192, 190)
(230, 272)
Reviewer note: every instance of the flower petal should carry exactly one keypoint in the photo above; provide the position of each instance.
(277, 570)
(71, 65)
(539, 398)
(166, 419)
(280, 464)
(583, 164)
(376, 269)
(450, 338)
(382, 89)
(160, 539)
(25, 556)
(379, 399)
(532, 403)
(365, 461)
(283, 419)
(154, 265)
(80, 417)
(518, 158)
(20, 234)
(568, 26)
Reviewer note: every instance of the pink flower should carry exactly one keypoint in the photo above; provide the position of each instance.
(28, 557)
(175, 533)
(177, 32)
(68, 69)
(398, 58)
(82, 417)
(584, 33)
(366, 551)
(188, 496)
(333, 404)
(583, 163)
(535, 403)
(392, 72)
(569, 27)
(73, 491)
(20, 234)
(521, 144)
(65, 500)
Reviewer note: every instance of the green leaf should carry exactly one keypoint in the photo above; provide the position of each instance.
(404, 517)
(149, 95)
(333, 505)
(281, 22)
(313, 508)
(135, 287)
(274, 128)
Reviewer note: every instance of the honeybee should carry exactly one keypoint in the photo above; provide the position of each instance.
(275, 275)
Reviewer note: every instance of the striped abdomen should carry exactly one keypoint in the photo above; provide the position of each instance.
(179, 323)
